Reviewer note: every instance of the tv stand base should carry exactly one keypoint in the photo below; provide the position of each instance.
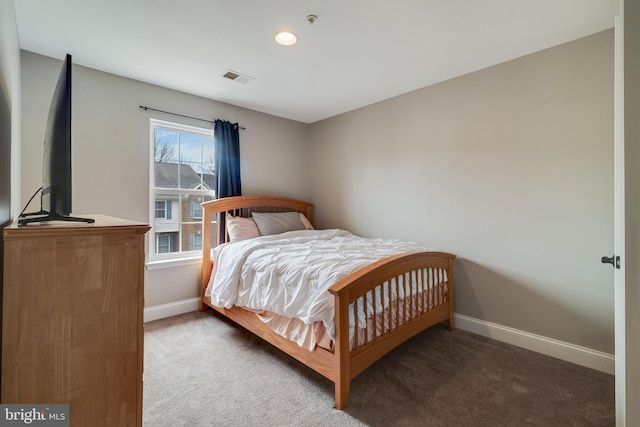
(44, 216)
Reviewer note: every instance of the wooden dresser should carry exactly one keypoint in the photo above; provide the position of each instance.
(72, 320)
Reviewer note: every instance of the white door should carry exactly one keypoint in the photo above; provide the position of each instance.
(627, 212)
(619, 224)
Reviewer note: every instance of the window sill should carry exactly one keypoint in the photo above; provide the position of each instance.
(158, 264)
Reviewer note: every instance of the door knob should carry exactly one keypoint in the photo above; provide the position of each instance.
(613, 260)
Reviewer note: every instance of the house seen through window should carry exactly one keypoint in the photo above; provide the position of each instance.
(182, 178)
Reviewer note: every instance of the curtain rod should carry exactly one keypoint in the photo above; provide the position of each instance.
(182, 115)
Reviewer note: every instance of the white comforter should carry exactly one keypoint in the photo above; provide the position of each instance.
(289, 273)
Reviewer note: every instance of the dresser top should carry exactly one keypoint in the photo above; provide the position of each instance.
(103, 224)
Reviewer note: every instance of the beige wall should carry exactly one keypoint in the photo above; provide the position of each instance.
(9, 125)
(510, 168)
(9, 114)
(632, 205)
(111, 150)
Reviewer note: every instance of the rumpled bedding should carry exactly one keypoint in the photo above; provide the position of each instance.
(289, 274)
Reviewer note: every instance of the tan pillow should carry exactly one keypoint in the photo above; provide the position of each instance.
(241, 228)
(278, 222)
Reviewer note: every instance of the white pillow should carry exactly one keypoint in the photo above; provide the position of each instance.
(276, 223)
(240, 228)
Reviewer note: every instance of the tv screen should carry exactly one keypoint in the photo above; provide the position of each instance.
(55, 200)
(56, 167)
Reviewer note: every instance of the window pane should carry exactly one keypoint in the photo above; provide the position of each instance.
(166, 146)
(195, 242)
(213, 224)
(191, 208)
(188, 230)
(166, 219)
(189, 179)
(190, 147)
(195, 209)
(161, 209)
(207, 150)
(208, 176)
(162, 244)
(166, 175)
(166, 243)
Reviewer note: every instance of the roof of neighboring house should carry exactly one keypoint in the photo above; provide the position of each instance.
(166, 176)
(209, 180)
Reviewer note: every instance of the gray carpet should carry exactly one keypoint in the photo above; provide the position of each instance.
(203, 370)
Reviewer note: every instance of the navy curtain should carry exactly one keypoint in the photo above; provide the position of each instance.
(227, 151)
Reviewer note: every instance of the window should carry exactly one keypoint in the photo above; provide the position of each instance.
(165, 243)
(195, 242)
(195, 210)
(163, 209)
(182, 177)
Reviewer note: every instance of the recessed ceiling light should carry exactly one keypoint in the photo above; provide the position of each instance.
(285, 38)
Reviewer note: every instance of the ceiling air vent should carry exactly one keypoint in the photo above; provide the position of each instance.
(237, 77)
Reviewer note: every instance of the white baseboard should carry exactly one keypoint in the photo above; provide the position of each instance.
(583, 356)
(171, 309)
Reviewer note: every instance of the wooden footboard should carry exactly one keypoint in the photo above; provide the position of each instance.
(391, 300)
(426, 281)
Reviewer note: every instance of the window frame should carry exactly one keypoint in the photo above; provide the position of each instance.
(175, 215)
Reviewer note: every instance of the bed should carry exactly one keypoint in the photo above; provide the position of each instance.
(374, 308)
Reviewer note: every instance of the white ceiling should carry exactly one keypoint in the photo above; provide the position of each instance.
(358, 51)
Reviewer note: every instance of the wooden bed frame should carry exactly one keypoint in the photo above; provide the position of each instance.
(342, 364)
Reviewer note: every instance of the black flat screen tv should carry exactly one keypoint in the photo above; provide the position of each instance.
(55, 198)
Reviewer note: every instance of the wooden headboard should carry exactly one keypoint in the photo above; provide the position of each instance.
(217, 210)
